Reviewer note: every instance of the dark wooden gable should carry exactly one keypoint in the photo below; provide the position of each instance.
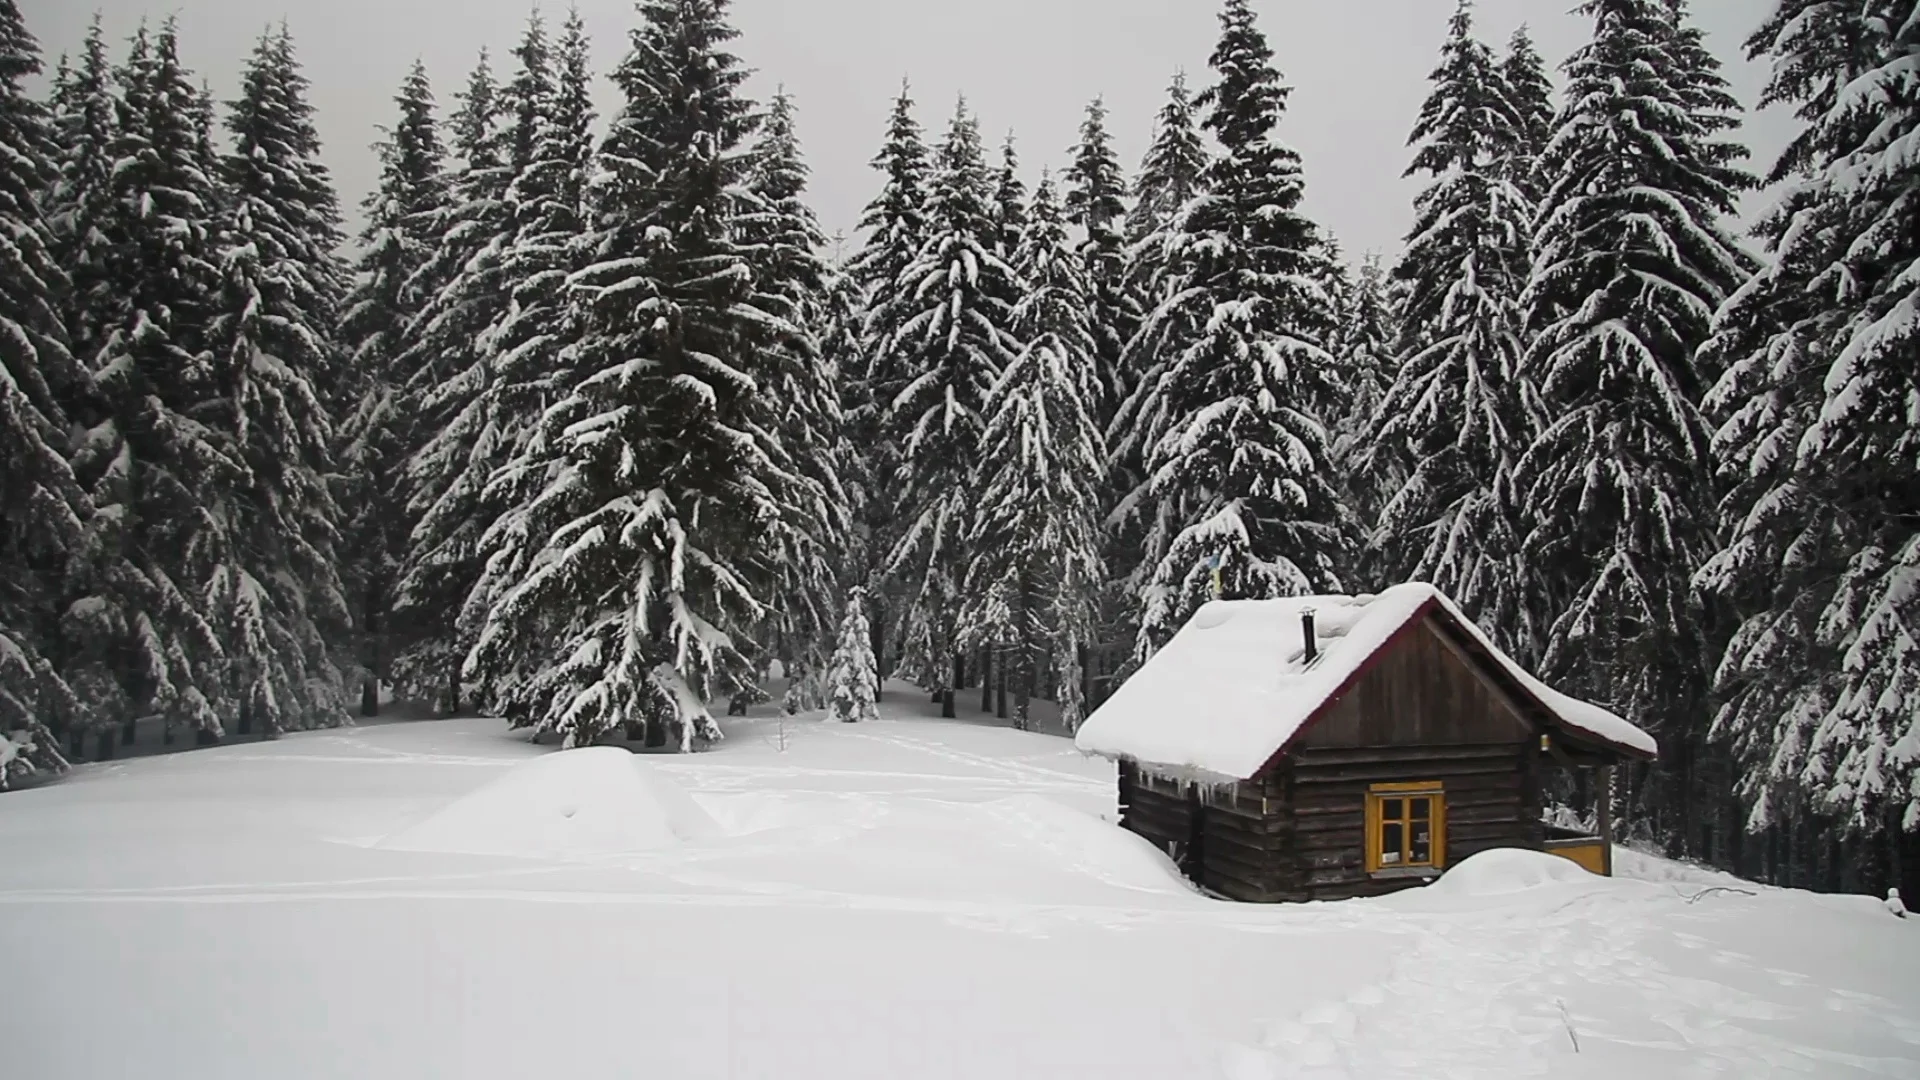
(1421, 689)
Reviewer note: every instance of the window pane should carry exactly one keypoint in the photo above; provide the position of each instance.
(1390, 834)
(1391, 810)
(1421, 850)
(1422, 808)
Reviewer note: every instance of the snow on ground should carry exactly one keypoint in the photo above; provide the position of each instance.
(910, 898)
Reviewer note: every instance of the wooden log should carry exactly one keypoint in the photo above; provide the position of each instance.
(1423, 769)
(1312, 758)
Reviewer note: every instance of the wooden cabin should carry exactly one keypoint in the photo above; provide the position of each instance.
(1318, 748)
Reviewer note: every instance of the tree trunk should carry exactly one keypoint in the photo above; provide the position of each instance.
(876, 632)
(986, 678)
(1023, 693)
(370, 690)
(453, 692)
(1000, 686)
(105, 747)
(633, 732)
(656, 734)
(1085, 663)
(946, 697)
(127, 732)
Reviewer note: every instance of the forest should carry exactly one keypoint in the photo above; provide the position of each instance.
(592, 423)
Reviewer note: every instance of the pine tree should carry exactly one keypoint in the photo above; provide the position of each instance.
(783, 243)
(82, 191)
(1630, 260)
(1370, 328)
(1009, 202)
(853, 683)
(47, 511)
(1453, 422)
(1171, 174)
(951, 312)
(397, 244)
(843, 351)
(518, 364)
(895, 224)
(624, 582)
(450, 374)
(144, 645)
(1173, 170)
(1095, 202)
(1529, 99)
(1236, 462)
(1816, 441)
(1034, 536)
(275, 592)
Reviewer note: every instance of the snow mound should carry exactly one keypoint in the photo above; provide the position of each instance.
(1084, 843)
(597, 800)
(1504, 871)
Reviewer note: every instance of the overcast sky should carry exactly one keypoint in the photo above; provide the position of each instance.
(1358, 68)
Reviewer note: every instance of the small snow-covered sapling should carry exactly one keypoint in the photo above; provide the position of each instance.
(1894, 905)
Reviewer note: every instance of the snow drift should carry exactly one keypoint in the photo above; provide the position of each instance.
(597, 800)
(1504, 871)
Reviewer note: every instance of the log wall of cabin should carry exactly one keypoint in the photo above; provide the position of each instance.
(1157, 809)
(1492, 796)
(1422, 711)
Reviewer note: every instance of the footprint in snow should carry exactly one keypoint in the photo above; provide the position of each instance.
(1372, 994)
(1337, 1019)
(1248, 1063)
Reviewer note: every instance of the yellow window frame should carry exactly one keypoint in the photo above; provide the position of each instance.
(1378, 797)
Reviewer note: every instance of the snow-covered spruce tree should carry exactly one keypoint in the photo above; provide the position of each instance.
(274, 592)
(1236, 464)
(804, 558)
(1034, 538)
(1630, 260)
(630, 572)
(853, 683)
(1453, 421)
(952, 316)
(1529, 98)
(402, 215)
(1171, 173)
(1095, 201)
(47, 510)
(82, 189)
(1369, 330)
(449, 367)
(895, 227)
(1009, 202)
(843, 318)
(1814, 440)
(140, 642)
(519, 364)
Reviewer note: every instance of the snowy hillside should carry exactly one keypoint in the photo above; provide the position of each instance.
(906, 898)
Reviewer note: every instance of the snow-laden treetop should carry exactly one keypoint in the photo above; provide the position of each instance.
(1234, 686)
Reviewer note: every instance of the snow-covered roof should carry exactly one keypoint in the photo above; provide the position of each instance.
(1233, 687)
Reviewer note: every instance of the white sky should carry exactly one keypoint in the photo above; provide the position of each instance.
(1358, 67)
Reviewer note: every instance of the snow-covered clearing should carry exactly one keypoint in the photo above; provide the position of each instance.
(907, 898)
